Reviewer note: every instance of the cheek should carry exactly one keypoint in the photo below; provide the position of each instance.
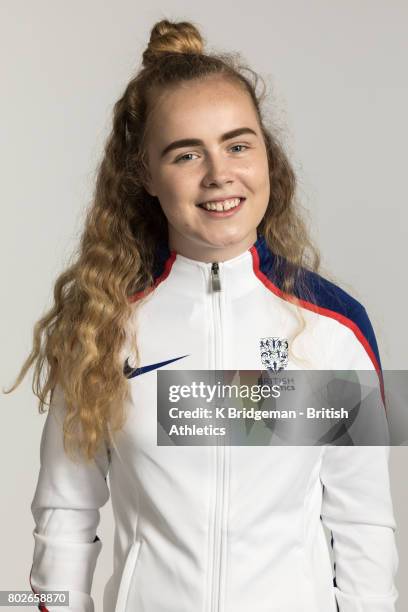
(263, 170)
(263, 182)
(256, 173)
(176, 213)
(176, 194)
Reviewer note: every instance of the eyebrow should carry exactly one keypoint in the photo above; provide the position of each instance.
(189, 142)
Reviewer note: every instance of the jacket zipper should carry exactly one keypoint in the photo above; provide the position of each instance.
(219, 449)
(215, 277)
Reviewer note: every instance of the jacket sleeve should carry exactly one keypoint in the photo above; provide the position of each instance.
(357, 506)
(66, 513)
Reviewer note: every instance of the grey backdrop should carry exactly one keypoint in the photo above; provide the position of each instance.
(337, 76)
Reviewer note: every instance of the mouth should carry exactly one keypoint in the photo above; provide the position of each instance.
(227, 208)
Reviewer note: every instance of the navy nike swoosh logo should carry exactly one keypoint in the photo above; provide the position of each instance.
(130, 372)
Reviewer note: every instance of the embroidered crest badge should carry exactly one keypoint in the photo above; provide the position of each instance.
(274, 353)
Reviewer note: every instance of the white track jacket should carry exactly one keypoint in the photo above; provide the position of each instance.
(222, 528)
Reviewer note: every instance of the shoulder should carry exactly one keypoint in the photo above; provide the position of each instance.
(312, 289)
(328, 297)
(348, 317)
(330, 300)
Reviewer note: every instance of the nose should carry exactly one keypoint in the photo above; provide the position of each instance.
(218, 171)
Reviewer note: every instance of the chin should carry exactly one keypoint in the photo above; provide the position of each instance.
(227, 240)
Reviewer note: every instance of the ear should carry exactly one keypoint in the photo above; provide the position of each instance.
(148, 185)
(150, 190)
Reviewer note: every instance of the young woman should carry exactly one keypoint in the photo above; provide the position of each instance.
(194, 257)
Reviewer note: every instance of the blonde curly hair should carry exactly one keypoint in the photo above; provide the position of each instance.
(79, 342)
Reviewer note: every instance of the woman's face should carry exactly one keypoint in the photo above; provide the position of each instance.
(212, 163)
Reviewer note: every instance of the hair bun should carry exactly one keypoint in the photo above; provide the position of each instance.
(172, 37)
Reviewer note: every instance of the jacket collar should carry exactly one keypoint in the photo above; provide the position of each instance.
(238, 275)
(164, 254)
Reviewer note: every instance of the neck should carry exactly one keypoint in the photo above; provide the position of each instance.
(207, 253)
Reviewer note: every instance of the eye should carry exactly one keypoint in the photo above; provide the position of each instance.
(239, 145)
(182, 158)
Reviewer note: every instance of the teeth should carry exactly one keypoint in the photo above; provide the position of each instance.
(225, 205)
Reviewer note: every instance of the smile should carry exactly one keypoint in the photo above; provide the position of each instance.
(222, 209)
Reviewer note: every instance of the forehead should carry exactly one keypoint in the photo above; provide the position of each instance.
(200, 108)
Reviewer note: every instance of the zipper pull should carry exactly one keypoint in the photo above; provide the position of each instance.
(215, 277)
